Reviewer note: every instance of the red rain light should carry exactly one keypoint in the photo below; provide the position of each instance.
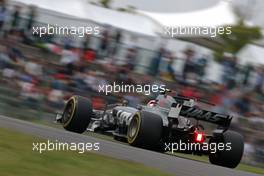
(199, 137)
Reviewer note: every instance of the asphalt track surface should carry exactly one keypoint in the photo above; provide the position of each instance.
(166, 163)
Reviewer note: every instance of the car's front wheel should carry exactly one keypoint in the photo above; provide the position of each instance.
(145, 130)
(77, 114)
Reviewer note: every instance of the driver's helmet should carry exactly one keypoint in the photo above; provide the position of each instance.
(165, 101)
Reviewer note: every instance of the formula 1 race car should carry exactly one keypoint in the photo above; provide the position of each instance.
(158, 126)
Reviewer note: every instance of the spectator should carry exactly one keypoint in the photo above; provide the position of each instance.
(229, 70)
(104, 44)
(247, 71)
(190, 92)
(5, 60)
(117, 40)
(118, 36)
(3, 13)
(31, 17)
(86, 42)
(33, 68)
(14, 54)
(9, 73)
(131, 58)
(259, 86)
(243, 104)
(30, 91)
(154, 70)
(166, 67)
(68, 59)
(15, 24)
(201, 66)
(90, 80)
(89, 55)
(189, 66)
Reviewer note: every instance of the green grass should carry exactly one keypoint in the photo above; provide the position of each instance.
(249, 168)
(17, 158)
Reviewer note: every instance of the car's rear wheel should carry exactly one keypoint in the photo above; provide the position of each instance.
(145, 130)
(77, 114)
(231, 156)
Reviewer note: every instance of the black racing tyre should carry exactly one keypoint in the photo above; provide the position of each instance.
(228, 158)
(77, 114)
(145, 130)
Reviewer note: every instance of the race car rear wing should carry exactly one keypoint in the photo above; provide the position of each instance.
(187, 107)
(204, 115)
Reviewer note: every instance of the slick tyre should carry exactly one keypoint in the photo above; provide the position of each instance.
(77, 114)
(231, 156)
(145, 130)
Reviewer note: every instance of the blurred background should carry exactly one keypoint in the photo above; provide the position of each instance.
(38, 74)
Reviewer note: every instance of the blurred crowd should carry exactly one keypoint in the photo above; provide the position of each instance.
(59, 70)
